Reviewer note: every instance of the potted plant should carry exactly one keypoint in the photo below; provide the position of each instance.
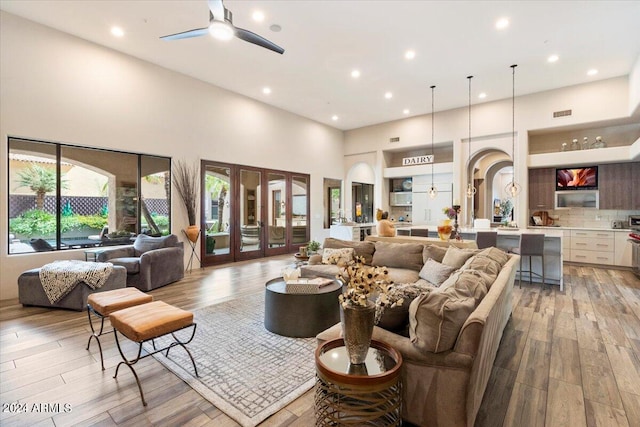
(185, 179)
(312, 247)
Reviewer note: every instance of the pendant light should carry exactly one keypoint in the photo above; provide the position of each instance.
(513, 188)
(471, 189)
(433, 191)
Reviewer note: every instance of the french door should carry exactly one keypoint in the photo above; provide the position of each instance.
(250, 212)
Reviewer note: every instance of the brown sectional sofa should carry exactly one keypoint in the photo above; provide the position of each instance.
(454, 329)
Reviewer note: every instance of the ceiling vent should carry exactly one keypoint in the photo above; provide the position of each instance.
(394, 139)
(563, 113)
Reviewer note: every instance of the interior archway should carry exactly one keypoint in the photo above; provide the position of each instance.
(483, 167)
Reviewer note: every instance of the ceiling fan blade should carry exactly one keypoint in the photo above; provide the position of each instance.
(187, 34)
(217, 9)
(250, 37)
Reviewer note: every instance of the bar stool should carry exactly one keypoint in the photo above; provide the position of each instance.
(102, 304)
(420, 232)
(486, 239)
(530, 245)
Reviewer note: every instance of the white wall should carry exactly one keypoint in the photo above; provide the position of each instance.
(634, 88)
(56, 87)
(491, 126)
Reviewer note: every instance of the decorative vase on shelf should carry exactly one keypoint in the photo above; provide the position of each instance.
(192, 233)
(444, 229)
(357, 327)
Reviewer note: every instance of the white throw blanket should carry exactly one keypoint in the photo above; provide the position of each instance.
(60, 277)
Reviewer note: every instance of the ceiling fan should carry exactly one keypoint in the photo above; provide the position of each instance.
(221, 27)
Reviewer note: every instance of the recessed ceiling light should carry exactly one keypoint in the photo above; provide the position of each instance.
(553, 58)
(502, 23)
(334, 117)
(266, 90)
(592, 72)
(275, 28)
(355, 74)
(388, 95)
(117, 31)
(406, 111)
(410, 54)
(482, 95)
(258, 16)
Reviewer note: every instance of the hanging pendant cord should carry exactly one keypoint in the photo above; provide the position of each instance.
(513, 119)
(432, 134)
(470, 170)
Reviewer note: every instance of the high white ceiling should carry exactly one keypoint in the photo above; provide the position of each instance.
(326, 40)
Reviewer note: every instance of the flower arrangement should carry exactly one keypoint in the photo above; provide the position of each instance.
(449, 212)
(363, 282)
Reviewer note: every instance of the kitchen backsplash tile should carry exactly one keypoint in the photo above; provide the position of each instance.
(588, 218)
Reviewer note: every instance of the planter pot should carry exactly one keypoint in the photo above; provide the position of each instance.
(192, 233)
(357, 328)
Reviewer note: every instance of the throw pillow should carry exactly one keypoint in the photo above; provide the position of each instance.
(396, 319)
(400, 255)
(144, 243)
(362, 249)
(337, 256)
(436, 318)
(457, 257)
(435, 272)
(434, 252)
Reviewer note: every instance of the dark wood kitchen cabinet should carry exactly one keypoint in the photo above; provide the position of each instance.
(618, 186)
(542, 187)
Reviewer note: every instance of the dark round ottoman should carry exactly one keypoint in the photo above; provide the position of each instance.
(300, 315)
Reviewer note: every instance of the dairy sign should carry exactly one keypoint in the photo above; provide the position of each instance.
(417, 160)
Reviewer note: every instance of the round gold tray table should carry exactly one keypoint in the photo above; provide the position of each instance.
(368, 394)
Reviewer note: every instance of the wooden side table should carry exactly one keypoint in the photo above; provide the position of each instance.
(367, 394)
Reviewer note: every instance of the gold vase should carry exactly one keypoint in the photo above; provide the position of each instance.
(444, 229)
(192, 233)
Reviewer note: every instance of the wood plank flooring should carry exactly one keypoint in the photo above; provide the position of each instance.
(567, 358)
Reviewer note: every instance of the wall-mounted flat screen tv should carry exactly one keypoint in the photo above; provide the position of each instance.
(577, 178)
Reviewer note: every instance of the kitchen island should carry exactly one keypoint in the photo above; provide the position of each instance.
(509, 238)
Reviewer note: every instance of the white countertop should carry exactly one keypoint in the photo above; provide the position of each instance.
(625, 230)
(548, 232)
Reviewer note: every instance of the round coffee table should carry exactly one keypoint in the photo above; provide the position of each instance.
(366, 394)
(300, 315)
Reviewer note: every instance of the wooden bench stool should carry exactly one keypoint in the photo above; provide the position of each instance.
(145, 323)
(102, 304)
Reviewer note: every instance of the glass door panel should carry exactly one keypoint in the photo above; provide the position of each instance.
(217, 214)
(276, 222)
(250, 215)
(299, 211)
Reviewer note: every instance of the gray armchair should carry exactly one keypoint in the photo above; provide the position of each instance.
(151, 262)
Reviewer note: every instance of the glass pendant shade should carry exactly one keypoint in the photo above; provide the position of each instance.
(433, 192)
(471, 190)
(513, 189)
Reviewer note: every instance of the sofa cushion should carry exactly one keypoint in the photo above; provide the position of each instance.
(132, 264)
(495, 254)
(434, 252)
(144, 243)
(337, 256)
(402, 275)
(401, 255)
(435, 319)
(320, 270)
(361, 249)
(457, 257)
(435, 272)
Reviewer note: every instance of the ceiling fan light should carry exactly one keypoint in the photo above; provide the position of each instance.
(221, 30)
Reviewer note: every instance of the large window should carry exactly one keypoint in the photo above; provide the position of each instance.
(64, 197)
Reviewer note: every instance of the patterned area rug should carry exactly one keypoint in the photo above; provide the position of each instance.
(246, 371)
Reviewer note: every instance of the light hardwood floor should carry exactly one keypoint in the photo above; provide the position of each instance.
(566, 359)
